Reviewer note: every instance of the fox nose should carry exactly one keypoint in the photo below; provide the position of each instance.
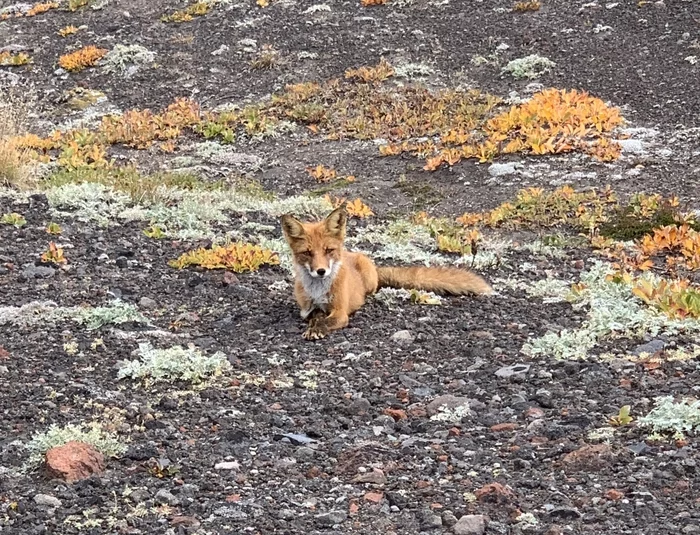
(321, 272)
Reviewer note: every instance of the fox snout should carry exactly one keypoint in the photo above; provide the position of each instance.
(320, 266)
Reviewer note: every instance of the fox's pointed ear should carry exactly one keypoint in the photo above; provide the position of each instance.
(336, 221)
(292, 227)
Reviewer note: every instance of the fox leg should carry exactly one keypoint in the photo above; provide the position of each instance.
(337, 318)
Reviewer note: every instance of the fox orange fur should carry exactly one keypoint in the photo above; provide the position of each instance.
(332, 283)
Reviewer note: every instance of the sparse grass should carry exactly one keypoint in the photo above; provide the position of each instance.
(198, 9)
(267, 58)
(173, 364)
(142, 189)
(16, 166)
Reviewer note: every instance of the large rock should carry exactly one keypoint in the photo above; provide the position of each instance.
(471, 525)
(74, 461)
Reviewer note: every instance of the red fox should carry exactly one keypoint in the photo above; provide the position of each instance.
(332, 283)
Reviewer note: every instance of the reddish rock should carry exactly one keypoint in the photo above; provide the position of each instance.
(589, 457)
(396, 414)
(534, 413)
(74, 461)
(507, 426)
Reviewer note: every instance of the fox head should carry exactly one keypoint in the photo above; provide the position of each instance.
(316, 246)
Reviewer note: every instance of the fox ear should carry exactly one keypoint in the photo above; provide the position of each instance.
(336, 220)
(292, 227)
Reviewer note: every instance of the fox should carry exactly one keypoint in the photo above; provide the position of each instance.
(332, 283)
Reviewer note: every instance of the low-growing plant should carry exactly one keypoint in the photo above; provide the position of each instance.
(53, 228)
(122, 59)
(14, 219)
(106, 443)
(173, 364)
(53, 255)
(669, 416)
(81, 59)
(531, 67)
(527, 5)
(238, 257)
(12, 59)
(355, 208)
(378, 73)
(67, 30)
(267, 58)
(117, 313)
(197, 9)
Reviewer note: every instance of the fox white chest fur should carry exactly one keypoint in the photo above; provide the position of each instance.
(318, 289)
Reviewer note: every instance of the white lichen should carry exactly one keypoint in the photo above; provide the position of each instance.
(669, 416)
(173, 364)
(530, 67)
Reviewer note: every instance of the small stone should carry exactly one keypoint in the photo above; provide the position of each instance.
(304, 453)
(74, 461)
(448, 519)
(46, 500)
(403, 337)
(471, 525)
(431, 521)
(448, 401)
(567, 513)
(122, 262)
(376, 476)
(506, 426)
(510, 371)
(502, 169)
(359, 406)
(534, 413)
(165, 497)
(228, 465)
(230, 279)
(31, 271)
(631, 146)
(651, 347)
(147, 302)
(139, 495)
(589, 457)
(332, 518)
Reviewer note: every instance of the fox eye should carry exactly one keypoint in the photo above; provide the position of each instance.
(330, 251)
(305, 253)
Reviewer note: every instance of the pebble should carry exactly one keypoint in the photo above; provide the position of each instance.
(166, 497)
(227, 465)
(471, 525)
(510, 371)
(147, 302)
(651, 347)
(431, 521)
(332, 518)
(46, 500)
(631, 146)
(447, 401)
(403, 337)
(502, 169)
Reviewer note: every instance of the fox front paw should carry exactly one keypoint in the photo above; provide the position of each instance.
(316, 330)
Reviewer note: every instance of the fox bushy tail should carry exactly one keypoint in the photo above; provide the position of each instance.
(440, 280)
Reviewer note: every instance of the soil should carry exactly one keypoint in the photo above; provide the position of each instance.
(369, 407)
